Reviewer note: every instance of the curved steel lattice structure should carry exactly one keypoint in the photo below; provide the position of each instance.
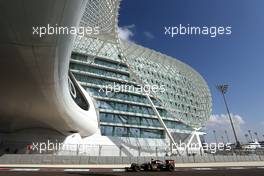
(186, 99)
(187, 96)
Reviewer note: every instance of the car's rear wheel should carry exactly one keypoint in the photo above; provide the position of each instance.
(171, 168)
(135, 167)
(147, 167)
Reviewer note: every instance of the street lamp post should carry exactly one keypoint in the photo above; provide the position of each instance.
(223, 90)
(227, 136)
(215, 136)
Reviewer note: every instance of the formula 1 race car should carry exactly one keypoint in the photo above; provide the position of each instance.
(154, 165)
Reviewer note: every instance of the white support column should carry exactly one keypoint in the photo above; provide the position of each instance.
(163, 124)
(195, 134)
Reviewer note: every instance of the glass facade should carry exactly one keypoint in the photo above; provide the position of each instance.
(100, 71)
(123, 113)
(187, 96)
(131, 132)
(104, 60)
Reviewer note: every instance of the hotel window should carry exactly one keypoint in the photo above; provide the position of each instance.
(146, 133)
(121, 119)
(106, 130)
(134, 132)
(120, 131)
(134, 120)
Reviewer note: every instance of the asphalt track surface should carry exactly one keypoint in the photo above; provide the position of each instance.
(238, 171)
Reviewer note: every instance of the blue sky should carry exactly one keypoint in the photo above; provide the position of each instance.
(236, 59)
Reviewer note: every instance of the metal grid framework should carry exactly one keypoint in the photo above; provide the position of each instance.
(102, 14)
(187, 96)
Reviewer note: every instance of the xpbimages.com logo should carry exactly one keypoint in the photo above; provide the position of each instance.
(42, 147)
(211, 147)
(142, 89)
(64, 30)
(54, 146)
(212, 31)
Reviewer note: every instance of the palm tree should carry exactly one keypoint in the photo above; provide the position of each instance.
(223, 140)
(249, 132)
(256, 135)
(246, 135)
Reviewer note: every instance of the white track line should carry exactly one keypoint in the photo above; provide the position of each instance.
(24, 169)
(234, 168)
(202, 168)
(76, 170)
(118, 170)
(260, 167)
